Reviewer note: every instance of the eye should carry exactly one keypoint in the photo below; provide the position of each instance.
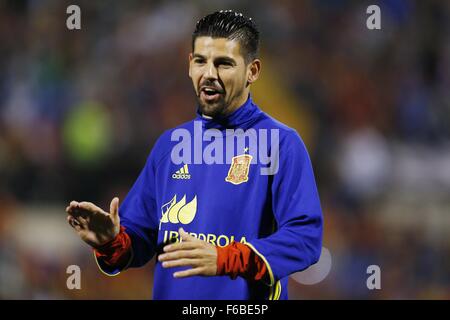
(199, 61)
(225, 64)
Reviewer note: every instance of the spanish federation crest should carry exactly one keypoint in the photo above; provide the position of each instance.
(238, 172)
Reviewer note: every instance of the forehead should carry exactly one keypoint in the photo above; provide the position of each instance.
(210, 47)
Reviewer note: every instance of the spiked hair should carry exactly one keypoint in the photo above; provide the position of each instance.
(233, 26)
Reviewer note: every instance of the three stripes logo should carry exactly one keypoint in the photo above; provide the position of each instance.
(183, 173)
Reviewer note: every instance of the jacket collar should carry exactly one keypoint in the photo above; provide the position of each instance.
(242, 117)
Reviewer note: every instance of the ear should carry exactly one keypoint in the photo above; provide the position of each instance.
(190, 59)
(254, 69)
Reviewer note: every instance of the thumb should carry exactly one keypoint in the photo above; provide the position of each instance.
(114, 209)
(185, 236)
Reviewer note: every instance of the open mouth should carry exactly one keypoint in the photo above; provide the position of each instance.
(210, 94)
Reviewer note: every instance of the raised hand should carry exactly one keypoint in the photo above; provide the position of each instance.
(94, 226)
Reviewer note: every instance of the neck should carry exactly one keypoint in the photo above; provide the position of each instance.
(239, 103)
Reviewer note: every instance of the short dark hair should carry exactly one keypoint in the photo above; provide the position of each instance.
(233, 26)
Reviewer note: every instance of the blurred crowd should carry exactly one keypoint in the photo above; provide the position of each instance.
(81, 109)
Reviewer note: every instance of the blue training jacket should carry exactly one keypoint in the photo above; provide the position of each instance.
(219, 193)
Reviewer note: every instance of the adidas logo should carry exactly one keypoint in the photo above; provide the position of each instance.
(183, 173)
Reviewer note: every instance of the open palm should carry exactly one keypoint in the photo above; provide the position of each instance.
(94, 226)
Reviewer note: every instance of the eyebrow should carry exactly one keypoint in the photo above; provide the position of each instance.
(217, 59)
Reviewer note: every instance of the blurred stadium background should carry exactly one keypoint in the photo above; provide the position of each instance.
(80, 111)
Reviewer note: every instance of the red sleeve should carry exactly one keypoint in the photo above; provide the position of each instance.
(116, 253)
(238, 259)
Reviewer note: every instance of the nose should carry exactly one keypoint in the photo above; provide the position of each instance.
(211, 71)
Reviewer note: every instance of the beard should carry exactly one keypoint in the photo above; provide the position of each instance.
(214, 109)
(212, 105)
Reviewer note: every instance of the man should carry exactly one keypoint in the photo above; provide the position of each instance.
(249, 223)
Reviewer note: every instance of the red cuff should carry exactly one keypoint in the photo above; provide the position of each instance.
(238, 259)
(115, 253)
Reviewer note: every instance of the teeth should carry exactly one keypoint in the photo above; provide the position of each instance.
(210, 91)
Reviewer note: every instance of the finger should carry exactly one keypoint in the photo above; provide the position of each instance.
(180, 263)
(82, 222)
(178, 255)
(189, 273)
(73, 205)
(186, 236)
(114, 209)
(73, 223)
(181, 246)
(90, 207)
(77, 211)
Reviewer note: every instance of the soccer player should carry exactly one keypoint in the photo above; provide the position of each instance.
(230, 228)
